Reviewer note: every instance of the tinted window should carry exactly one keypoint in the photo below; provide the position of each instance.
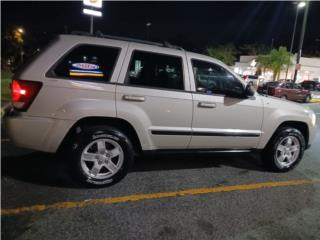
(296, 86)
(155, 70)
(212, 78)
(273, 84)
(88, 62)
(287, 85)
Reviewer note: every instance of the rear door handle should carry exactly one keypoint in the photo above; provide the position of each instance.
(133, 98)
(206, 105)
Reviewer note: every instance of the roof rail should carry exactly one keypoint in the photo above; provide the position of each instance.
(101, 35)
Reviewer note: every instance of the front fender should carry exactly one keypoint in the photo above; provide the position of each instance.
(276, 112)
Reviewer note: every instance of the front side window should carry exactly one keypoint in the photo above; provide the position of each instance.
(212, 78)
(89, 63)
(287, 85)
(155, 70)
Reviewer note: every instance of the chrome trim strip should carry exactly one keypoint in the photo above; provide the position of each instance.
(206, 132)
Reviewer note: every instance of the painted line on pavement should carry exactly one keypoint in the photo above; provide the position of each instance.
(158, 195)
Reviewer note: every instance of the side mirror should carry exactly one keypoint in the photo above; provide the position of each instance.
(201, 89)
(249, 92)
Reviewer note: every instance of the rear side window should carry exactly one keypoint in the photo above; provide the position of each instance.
(155, 70)
(89, 63)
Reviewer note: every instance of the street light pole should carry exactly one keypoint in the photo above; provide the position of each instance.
(91, 25)
(299, 5)
(92, 8)
(294, 29)
(148, 25)
(303, 30)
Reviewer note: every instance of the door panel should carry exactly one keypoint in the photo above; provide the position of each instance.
(159, 114)
(162, 117)
(233, 123)
(220, 121)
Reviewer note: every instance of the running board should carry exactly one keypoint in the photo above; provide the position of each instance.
(188, 151)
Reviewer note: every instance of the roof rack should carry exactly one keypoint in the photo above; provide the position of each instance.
(101, 35)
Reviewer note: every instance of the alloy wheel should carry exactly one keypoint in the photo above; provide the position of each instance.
(102, 159)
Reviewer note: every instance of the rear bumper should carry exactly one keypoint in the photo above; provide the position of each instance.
(41, 134)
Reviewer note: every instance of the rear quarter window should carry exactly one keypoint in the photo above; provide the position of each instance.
(88, 62)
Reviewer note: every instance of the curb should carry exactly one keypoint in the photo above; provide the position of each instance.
(315, 101)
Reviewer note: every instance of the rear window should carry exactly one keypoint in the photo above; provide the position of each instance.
(88, 62)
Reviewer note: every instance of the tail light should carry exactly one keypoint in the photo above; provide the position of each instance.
(23, 93)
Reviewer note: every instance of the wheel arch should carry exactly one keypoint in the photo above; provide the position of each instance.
(301, 126)
(117, 123)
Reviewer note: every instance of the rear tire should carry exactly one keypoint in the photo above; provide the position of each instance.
(100, 156)
(284, 151)
(307, 99)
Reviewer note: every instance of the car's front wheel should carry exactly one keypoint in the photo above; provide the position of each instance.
(100, 156)
(285, 150)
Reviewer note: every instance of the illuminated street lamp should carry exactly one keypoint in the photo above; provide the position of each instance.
(20, 30)
(301, 4)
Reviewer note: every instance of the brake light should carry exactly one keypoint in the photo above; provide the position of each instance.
(23, 93)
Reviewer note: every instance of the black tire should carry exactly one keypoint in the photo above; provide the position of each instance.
(307, 99)
(269, 154)
(89, 135)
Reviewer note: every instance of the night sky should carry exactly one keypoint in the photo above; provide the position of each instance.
(194, 25)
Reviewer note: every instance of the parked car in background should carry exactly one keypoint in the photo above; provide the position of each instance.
(286, 90)
(310, 85)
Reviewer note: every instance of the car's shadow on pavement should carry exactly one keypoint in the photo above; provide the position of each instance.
(38, 168)
(48, 169)
(175, 161)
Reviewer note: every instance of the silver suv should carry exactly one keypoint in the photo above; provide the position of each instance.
(102, 100)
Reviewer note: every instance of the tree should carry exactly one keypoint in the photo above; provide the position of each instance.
(276, 60)
(225, 53)
(11, 43)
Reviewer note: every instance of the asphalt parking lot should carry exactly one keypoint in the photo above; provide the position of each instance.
(204, 196)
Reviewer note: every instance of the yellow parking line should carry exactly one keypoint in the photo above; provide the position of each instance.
(148, 196)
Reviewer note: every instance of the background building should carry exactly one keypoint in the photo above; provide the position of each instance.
(310, 68)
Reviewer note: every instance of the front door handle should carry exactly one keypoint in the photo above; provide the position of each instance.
(206, 105)
(134, 98)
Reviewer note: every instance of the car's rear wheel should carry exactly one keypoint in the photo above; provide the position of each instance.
(285, 150)
(101, 156)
